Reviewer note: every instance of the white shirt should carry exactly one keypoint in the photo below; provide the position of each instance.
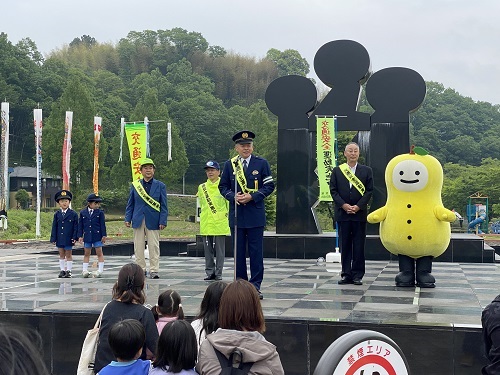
(353, 170)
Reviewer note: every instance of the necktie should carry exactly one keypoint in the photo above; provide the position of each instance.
(245, 166)
(91, 212)
(63, 214)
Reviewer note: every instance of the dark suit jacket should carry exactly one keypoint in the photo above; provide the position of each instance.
(91, 228)
(341, 193)
(252, 214)
(64, 229)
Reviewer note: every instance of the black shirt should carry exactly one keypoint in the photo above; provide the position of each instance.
(147, 185)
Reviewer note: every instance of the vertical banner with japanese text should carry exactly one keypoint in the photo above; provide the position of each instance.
(325, 153)
(4, 157)
(97, 140)
(38, 124)
(66, 151)
(137, 146)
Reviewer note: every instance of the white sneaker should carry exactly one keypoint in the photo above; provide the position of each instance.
(86, 274)
(97, 274)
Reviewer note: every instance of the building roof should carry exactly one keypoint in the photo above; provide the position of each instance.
(30, 172)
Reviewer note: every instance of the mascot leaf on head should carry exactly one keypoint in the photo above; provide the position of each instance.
(414, 225)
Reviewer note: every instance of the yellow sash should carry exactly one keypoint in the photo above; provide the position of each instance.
(240, 175)
(208, 199)
(352, 178)
(154, 204)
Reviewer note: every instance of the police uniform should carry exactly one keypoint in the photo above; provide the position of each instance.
(92, 227)
(64, 226)
(251, 217)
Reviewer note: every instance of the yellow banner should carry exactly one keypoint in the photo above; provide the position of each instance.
(325, 154)
(137, 145)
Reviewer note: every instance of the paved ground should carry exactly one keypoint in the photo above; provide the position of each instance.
(298, 289)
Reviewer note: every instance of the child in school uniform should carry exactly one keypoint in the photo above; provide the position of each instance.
(64, 232)
(92, 232)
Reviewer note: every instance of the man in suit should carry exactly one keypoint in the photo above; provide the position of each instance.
(254, 184)
(147, 213)
(351, 187)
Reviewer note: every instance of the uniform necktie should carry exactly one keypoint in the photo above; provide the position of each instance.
(91, 212)
(245, 166)
(63, 214)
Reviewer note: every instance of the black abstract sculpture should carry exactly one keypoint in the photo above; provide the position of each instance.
(344, 66)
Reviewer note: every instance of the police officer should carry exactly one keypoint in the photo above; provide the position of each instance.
(254, 183)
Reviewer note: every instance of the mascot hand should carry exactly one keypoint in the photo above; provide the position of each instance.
(443, 214)
(377, 216)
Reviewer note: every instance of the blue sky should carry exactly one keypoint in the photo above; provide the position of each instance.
(455, 42)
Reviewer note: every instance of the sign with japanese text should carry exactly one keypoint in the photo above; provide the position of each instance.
(325, 153)
(372, 357)
(137, 146)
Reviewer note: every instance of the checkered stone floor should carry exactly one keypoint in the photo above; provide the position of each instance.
(294, 289)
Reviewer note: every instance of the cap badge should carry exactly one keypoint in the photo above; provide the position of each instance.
(244, 135)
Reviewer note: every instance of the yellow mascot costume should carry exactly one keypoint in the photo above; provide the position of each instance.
(414, 224)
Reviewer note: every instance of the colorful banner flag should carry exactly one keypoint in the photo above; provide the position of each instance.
(97, 140)
(137, 146)
(66, 151)
(148, 151)
(325, 154)
(4, 157)
(122, 133)
(169, 141)
(38, 124)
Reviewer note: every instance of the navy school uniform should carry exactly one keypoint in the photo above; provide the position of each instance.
(91, 228)
(64, 228)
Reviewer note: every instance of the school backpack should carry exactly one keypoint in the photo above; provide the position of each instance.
(227, 364)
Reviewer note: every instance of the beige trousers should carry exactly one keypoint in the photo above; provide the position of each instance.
(142, 234)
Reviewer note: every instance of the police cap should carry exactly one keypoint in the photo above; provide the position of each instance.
(243, 137)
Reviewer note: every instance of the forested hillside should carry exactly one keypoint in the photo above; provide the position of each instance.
(207, 94)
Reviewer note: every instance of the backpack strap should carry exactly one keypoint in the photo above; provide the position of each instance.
(243, 368)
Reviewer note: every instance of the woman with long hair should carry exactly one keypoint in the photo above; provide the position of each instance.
(127, 303)
(206, 321)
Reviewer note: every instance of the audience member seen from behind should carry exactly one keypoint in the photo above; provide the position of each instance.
(176, 352)
(127, 303)
(241, 323)
(21, 351)
(490, 320)
(206, 321)
(126, 340)
(168, 309)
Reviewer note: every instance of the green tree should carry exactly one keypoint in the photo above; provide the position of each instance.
(76, 98)
(288, 62)
(85, 40)
(22, 198)
(168, 171)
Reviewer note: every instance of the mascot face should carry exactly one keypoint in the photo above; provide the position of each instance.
(410, 176)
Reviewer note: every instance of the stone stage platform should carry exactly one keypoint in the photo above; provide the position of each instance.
(306, 310)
